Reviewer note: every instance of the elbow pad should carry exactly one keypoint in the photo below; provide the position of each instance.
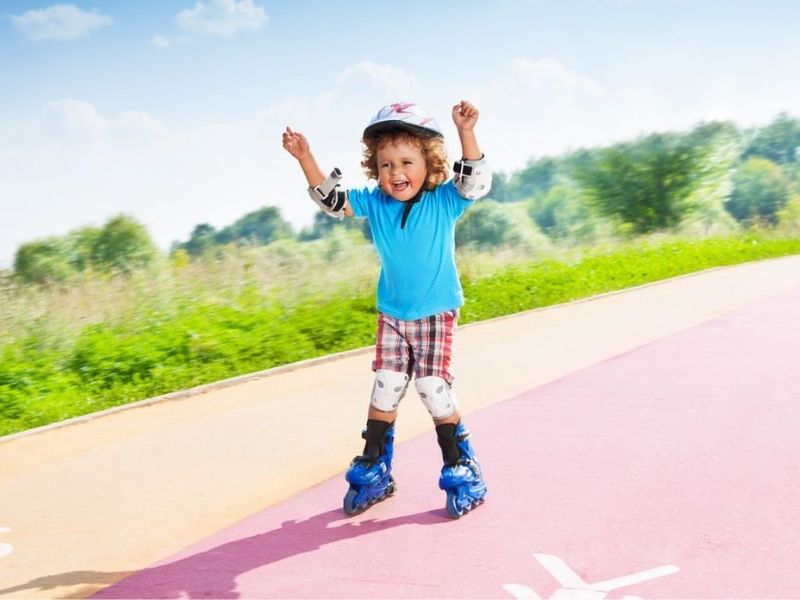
(329, 196)
(472, 178)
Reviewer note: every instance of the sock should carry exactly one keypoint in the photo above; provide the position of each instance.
(375, 434)
(446, 436)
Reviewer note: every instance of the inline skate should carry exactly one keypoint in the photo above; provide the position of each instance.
(461, 477)
(370, 474)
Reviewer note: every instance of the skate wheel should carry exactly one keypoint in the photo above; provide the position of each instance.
(349, 503)
(453, 508)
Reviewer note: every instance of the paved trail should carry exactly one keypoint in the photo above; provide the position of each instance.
(680, 456)
(641, 444)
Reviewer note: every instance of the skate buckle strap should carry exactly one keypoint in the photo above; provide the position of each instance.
(363, 458)
(476, 468)
(470, 464)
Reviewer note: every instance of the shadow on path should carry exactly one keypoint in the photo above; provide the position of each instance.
(213, 573)
(90, 579)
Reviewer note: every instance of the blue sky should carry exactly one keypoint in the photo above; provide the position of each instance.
(171, 111)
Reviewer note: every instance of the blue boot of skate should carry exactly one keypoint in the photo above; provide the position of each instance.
(461, 478)
(370, 474)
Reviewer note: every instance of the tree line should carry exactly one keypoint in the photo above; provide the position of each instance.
(715, 176)
(716, 173)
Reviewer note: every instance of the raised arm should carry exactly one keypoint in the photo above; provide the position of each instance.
(472, 174)
(323, 190)
(296, 144)
(465, 116)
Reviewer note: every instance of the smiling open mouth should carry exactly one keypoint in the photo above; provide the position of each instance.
(399, 186)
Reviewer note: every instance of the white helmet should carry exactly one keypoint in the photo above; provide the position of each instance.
(403, 115)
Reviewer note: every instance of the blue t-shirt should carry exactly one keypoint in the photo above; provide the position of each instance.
(418, 275)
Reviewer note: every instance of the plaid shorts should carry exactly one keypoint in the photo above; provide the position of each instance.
(423, 347)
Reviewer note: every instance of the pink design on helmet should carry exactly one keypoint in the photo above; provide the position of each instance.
(403, 115)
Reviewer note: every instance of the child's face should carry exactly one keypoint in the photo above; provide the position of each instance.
(401, 169)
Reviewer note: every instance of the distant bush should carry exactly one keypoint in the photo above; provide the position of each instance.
(259, 227)
(122, 244)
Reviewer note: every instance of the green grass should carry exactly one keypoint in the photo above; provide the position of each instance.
(162, 342)
(547, 282)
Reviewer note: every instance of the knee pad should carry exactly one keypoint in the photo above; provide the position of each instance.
(437, 396)
(389, 389)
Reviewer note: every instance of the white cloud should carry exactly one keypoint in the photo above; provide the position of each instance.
(69, 122)
(162, 41)
(357, 94)
(135, 125)
(72, 165)
(73, 119)
(537, 107)
(549, 76)
(59, 22)
(159, 41)
(222, 17)
(397, 83)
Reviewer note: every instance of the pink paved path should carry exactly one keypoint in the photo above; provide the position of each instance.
(682, 455)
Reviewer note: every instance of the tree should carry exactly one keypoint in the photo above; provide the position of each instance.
(779, 141)
(487, 225)
(501, 192)
(43, 261)
(760, 191)
(56, 258)
(80, 243)
(646, 184)
(562, 212)
(323, 225)
(724, 143)
(536, 178)
(259, 227)
(203, 237)
(789, 215)
(123, 244)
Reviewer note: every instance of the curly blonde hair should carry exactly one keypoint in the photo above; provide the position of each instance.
(432, 148)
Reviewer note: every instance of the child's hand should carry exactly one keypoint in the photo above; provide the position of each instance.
(296, 144)
(465, 115)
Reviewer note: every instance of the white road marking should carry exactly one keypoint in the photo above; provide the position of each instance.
(575, 588)
(5, 549)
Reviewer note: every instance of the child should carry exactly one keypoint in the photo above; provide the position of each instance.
(412, 215)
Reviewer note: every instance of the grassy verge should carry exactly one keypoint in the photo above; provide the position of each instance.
(547, 282)
(197, 339)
